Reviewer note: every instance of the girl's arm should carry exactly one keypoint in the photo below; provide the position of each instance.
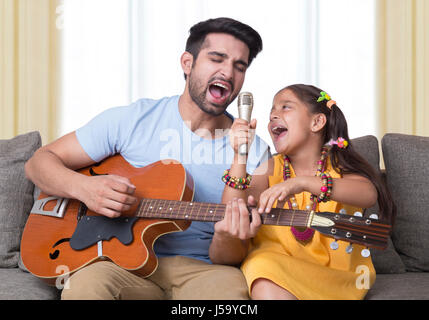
(241, 133)
(258, 184)
(352, 189)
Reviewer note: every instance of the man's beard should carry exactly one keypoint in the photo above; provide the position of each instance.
(198, 95)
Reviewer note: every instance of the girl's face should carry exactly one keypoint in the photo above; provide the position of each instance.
(290, 123)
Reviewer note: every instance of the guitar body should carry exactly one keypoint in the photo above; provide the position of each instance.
(46, 246)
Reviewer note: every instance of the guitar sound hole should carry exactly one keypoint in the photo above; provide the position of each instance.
(54, 255)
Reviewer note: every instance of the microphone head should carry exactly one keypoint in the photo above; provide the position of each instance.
(245, 107)
(245, 99)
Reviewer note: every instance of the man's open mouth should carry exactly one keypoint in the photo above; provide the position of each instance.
(219, 90)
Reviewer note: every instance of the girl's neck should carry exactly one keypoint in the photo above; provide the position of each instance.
(304, 162)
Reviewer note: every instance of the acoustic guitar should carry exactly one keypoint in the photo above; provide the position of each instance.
(62, 236)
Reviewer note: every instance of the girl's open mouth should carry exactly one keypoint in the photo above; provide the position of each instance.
(278, 131)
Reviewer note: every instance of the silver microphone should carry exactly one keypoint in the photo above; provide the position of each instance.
(245, 107)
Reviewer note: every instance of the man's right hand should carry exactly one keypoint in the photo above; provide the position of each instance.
(108, 195)
(53, 169)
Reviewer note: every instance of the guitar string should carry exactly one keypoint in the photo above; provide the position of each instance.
(218, 211)
(298, 217)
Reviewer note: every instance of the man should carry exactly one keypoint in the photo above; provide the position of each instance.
(191, 129)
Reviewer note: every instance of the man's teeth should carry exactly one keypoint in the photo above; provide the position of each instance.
(221, 85)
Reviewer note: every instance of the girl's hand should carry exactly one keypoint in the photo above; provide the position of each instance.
(242, 132)
(281, 192)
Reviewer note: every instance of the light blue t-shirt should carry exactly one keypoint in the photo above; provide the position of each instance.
(151, 130)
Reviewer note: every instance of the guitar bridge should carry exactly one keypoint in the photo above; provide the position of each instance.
(57, 212)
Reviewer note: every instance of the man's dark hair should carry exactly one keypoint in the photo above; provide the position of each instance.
(230, 26)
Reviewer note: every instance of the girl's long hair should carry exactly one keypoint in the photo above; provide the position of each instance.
(344, 161)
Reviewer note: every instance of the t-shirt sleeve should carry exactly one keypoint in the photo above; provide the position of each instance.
(104, 135)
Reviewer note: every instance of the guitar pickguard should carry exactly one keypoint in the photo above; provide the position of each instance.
(91, 229)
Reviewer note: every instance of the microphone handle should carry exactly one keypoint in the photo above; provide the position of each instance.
(245, 113)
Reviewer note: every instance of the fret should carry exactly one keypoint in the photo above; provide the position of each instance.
(179, 210)
(169, 207)
(279, 213)
(198, 206)
(275, 213)
(153, 206)
(216, 211)
(139, 210)
(185, 209)
(176, 207)
(191, 205)
(161, 208)
(156, 208)
(145, 208)
(207, 211)
(263, 218)
(293, 216)
(306, 220)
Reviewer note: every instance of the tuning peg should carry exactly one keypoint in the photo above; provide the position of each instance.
(365, 253)
(374, 216)
(334, 245)
(349, 248)
(343, 211)
(358, 214)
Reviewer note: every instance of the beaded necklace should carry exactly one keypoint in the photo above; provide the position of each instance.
(302, 234)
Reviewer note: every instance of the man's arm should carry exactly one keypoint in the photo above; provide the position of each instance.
(52, 169)
(230, 242)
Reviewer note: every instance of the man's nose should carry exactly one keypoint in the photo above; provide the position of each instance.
(227, 71)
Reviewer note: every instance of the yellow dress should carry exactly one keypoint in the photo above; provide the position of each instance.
(312, 271)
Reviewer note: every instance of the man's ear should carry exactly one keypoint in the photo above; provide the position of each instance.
(318, 122)
(186, 60)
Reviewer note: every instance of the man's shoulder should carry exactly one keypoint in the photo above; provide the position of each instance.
(148, 103)
(139, 109)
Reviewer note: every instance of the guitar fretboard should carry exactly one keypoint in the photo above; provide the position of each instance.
(210, 212)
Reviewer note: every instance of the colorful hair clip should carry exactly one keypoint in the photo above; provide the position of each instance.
(324, 96)
(330, 103)
(327, 97)
(340, 142)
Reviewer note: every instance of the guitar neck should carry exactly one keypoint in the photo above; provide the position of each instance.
(210, 212)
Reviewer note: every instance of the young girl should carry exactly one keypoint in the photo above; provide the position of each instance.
(316, 168)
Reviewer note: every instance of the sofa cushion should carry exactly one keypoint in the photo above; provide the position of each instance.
(407, 286)
(16, 194)
(18, 285)
(388, 260)
(406, 159)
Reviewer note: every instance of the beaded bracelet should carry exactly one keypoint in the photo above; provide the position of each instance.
(326, 189)
(236, 183)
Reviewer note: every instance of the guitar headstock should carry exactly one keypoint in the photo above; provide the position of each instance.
(369, 232)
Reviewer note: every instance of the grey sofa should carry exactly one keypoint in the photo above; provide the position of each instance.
(402, 269)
